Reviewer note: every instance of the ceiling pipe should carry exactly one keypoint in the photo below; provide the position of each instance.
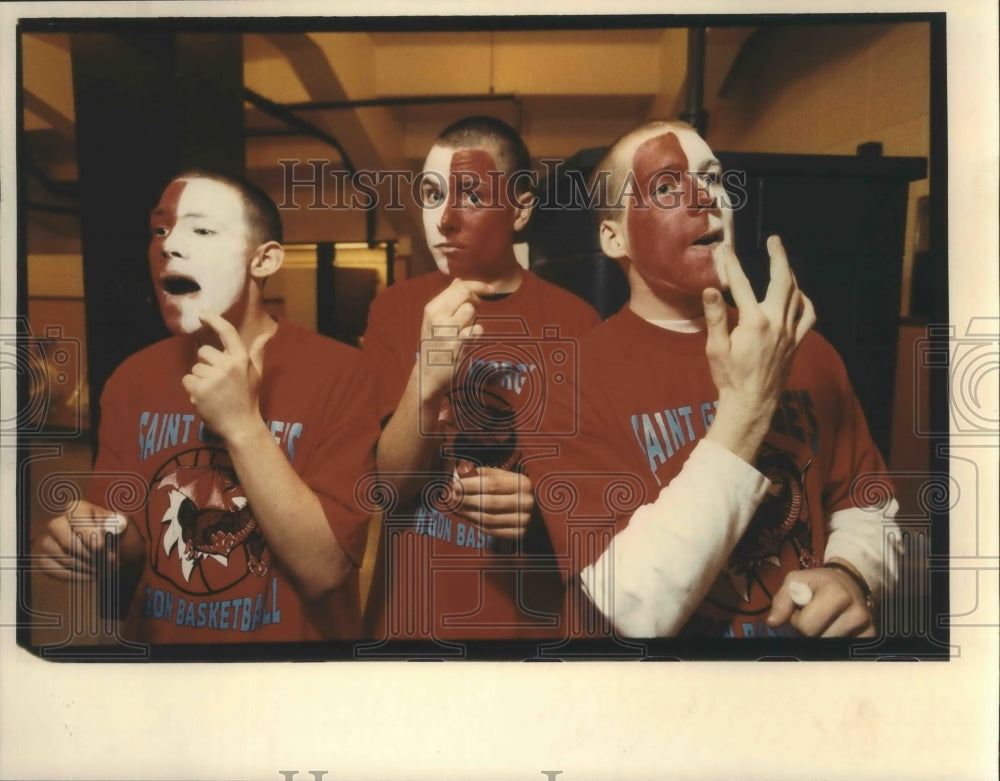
(285, 114)
(694, 112)
(60, 189)
(403, 100)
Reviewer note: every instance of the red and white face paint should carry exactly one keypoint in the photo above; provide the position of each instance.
(199, 252)
(677, 216)
(468, 216)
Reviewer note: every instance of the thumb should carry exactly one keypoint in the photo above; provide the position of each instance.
(256, 351)
(781, 609)
(716, 321)
(782, 606)
(465, 468)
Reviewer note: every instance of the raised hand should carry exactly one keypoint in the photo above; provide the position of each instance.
(751, 364)
(224, 384)
(447, 324)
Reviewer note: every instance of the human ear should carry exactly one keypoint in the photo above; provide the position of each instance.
(267, 259)
(613, 239)
(523, 205)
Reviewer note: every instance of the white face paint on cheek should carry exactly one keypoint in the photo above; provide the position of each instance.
(218, 296)
(438, 168)
(211, 250)
(697, 150)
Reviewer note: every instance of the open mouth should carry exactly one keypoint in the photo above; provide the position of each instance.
(179, 286)
(708, 239)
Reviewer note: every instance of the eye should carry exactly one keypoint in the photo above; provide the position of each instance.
(711, 177)
(204, 232)
(430, 196)
(158, 231)
(667, 186)
(474, 199)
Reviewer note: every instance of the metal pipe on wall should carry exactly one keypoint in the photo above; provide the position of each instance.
(694, 112)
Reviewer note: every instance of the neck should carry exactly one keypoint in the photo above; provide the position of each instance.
(505, 279)
(250, 322)
(256, 324)
(663, 302)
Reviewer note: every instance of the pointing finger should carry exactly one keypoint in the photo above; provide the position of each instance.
(782, 284)
(715, 322)
(739, 285)
(807, 320)
(227, 333)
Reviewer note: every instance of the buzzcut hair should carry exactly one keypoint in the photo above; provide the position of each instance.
(608, 189)
(263, 220)
(509, 150)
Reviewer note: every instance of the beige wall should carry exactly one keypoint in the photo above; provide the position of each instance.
(824, 90)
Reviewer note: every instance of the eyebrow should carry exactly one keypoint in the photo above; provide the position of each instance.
(160, 212)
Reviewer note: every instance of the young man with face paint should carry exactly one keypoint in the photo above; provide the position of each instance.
(463, 358)
(230, 452)
(718, 448)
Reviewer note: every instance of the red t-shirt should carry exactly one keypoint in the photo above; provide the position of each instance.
(209, 575)
(438, 576)
(646, 398)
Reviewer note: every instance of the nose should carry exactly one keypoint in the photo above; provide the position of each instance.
(449, 219)
(170, 247)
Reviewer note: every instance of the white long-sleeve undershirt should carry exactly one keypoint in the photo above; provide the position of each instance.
(659, 568)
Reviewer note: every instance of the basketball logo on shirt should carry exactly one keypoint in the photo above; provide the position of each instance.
(203, 532)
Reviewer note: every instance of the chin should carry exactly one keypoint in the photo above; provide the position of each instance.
(180, 323)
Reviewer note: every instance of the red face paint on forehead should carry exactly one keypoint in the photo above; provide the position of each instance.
(658, 160)
(669, 217)
(167, 206)
(474, 171)
(470, 228)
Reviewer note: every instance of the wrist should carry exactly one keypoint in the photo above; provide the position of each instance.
(247, 433)
(855, 577)
(741, 427)
(431, 381)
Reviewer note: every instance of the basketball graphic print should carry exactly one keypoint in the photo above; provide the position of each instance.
(203, 532)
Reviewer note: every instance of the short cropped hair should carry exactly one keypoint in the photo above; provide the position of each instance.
(509, 150)
(263, 220)
(609, 200)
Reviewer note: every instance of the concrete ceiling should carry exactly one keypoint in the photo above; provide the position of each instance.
(564, 90)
